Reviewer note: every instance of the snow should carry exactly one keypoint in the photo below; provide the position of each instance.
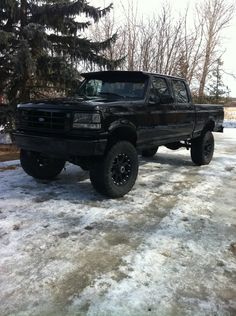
(5, 138)
(230, 123)
(163, 249)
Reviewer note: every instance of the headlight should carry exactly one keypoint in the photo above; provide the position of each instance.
(87, 120)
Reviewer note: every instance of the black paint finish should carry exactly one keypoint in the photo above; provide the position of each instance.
(46, 125)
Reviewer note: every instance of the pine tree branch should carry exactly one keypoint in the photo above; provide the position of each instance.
(30, 56)
(103, 61)
(75, 43)
(5, 38)
(98, 46)
(37, 38)
(55, 70)
(9, 14)
(96, 13)
(65, 25)
(45, 13)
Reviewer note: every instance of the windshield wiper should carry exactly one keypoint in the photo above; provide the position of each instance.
(110, 94)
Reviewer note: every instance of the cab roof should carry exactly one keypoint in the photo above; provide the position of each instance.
(111, 73)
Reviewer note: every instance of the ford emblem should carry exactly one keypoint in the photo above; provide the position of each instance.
(41, 119)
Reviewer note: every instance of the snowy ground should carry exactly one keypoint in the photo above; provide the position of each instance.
(230, 123)
(167, 248)
(5, 138)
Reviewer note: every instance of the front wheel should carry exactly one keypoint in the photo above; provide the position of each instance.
(202, 149)
(39, 166)
(116, 174)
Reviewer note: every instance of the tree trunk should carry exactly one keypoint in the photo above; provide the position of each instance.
(205, 71)
(23, 13)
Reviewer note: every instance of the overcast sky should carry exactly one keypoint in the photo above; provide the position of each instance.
(149, 7)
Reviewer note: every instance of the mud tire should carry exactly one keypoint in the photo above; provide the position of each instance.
(202, 149)
(39, 166)
(116, 174)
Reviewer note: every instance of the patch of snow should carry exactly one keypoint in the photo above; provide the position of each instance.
(229, 123)
(9, 163)
(5, 138)
(159, 267)
(163, 249)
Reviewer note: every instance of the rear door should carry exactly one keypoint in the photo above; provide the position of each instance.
(185, 110)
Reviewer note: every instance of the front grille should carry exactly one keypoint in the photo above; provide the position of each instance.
(47, 120)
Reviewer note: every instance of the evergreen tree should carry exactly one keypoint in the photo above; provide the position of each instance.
(216, 89)
(42, 42)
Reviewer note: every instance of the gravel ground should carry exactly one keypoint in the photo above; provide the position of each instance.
(167, 248)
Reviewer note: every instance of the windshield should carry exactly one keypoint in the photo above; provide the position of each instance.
(115, 89)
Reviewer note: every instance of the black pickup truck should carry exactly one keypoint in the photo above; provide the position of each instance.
(114, 116)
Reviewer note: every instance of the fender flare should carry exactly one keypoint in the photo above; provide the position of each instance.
(123, 130)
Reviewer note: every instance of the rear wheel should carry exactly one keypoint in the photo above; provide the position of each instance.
(149, 152)
(39, 166)
(202, 149)
(116, 174)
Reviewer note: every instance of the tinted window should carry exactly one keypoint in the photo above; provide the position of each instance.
(159, 87)
(180, 92)
(132, 89)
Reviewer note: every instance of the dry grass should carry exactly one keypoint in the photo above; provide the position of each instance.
(8, 152)
(230, 113)
(7, 168)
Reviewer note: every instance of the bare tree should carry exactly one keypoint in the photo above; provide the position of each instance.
(191, 49)
(153, 43)
(216, 15)
(186, 45)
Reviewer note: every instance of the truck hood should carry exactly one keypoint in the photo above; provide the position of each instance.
(77, 104)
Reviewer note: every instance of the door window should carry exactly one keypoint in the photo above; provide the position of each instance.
(180, 91)
(159, 88)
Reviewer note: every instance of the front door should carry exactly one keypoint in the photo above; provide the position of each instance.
(162, 113)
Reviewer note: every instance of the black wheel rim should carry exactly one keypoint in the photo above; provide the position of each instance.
(121, 169)
(41, 161)
(208, 148)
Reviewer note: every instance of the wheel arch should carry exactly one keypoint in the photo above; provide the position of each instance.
(122, 131)
(210, 126)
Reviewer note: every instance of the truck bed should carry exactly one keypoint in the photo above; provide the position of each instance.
(209, 114)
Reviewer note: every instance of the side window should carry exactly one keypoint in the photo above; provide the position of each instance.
(180, 91)
(92, 87)
(159, 87)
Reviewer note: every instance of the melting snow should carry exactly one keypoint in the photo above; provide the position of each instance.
(164, 249)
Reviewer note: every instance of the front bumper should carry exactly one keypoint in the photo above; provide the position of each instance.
(60, 147)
